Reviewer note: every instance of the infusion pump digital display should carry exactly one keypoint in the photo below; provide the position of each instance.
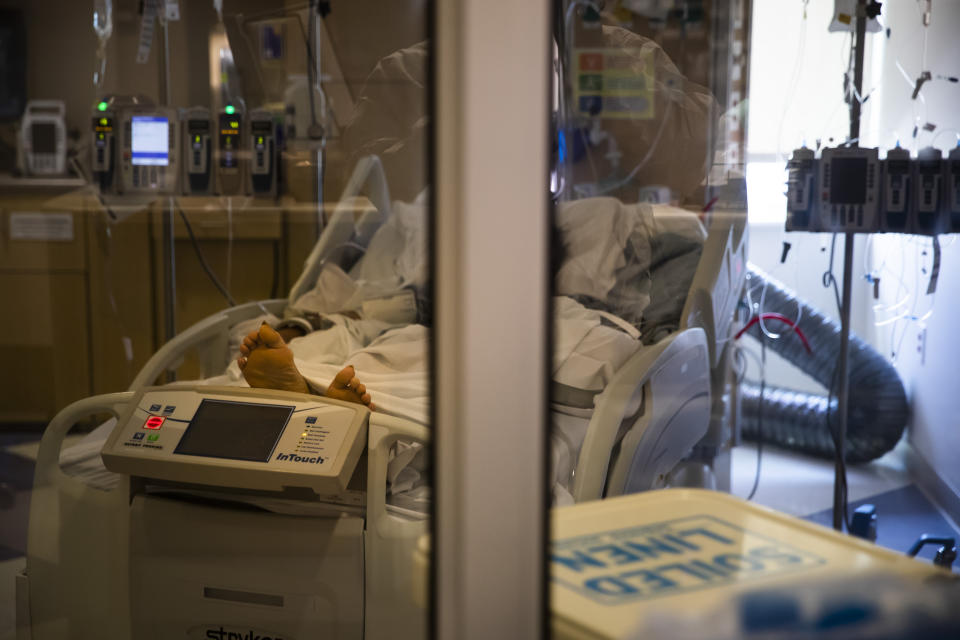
(149, 144)
(239, 437)
(150, 141)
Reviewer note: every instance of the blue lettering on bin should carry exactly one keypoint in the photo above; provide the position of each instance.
(670, 557)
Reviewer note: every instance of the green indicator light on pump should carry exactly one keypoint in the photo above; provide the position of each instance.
(102, 106)
(229, 109)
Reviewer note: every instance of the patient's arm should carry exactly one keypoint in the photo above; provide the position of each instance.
(267, 363)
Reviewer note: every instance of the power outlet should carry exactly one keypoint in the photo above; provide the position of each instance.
(922, 346)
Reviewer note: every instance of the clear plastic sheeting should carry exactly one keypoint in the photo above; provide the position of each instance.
(103, 27)
(634, 119)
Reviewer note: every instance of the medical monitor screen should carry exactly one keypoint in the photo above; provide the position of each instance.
(150, 141)
(848, 180)
(43, 138)
(234, 430)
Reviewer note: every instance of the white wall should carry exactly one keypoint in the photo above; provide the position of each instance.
(796, 98)
(930, 355)
(924, 346)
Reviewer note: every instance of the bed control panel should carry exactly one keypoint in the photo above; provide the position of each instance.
(239, 437)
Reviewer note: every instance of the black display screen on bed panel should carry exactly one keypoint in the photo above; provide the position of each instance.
(234, 430)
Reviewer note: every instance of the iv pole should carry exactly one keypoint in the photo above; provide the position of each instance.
(844, 383)
(169, 243)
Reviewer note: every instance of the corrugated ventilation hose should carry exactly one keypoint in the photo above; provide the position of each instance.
(878, 409)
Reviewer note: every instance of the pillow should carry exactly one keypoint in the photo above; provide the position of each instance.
(610, 251)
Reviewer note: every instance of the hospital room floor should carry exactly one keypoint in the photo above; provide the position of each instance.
(803, 486)
(791, 483)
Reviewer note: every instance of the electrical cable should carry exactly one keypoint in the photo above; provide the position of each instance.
(203, 261)
(229, 277)
(761, 316)
(763, 365)
(841, 463)
(312, 61)
(794, 79)
(275, 281)
(828, 279)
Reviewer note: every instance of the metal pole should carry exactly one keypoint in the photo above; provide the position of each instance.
(169, 242)
(844, 382)
(169, 278)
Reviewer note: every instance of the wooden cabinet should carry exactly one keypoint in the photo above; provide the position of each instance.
(44, 343)
(255, 248)
(82, 284)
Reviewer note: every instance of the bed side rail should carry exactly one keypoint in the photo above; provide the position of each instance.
(643, 413)
(211, 334)
(367, 180)
(76, 535)
(718, 281)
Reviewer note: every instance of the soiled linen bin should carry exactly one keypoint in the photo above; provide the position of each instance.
(627, 567)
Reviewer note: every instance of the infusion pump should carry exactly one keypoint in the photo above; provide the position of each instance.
(149, 153)
(43, 138)
(851, 189)
(197, 151)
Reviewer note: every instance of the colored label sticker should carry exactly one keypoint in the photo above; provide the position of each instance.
(138, 435)
(670, 558)
(614, 83)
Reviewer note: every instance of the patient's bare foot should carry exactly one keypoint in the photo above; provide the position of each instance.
(267, 362)
(346, 386)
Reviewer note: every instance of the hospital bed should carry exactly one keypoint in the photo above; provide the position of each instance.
(93, 553)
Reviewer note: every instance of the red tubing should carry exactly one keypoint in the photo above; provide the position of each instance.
(782, 318)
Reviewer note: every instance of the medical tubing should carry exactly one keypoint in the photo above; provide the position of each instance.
(878, 408)
(782, 318)
(203, 261)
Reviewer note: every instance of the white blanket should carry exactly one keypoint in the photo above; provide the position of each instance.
(394, 365)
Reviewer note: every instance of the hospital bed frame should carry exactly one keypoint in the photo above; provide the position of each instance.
(660, 404)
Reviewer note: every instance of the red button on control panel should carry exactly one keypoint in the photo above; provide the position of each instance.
(154, 422)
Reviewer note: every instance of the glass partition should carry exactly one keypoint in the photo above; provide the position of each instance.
(649, 243)
(217, 403)
(705, 362)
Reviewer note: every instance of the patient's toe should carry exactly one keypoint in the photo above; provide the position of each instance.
(270, 338)
(347, 386)
(342, 379)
